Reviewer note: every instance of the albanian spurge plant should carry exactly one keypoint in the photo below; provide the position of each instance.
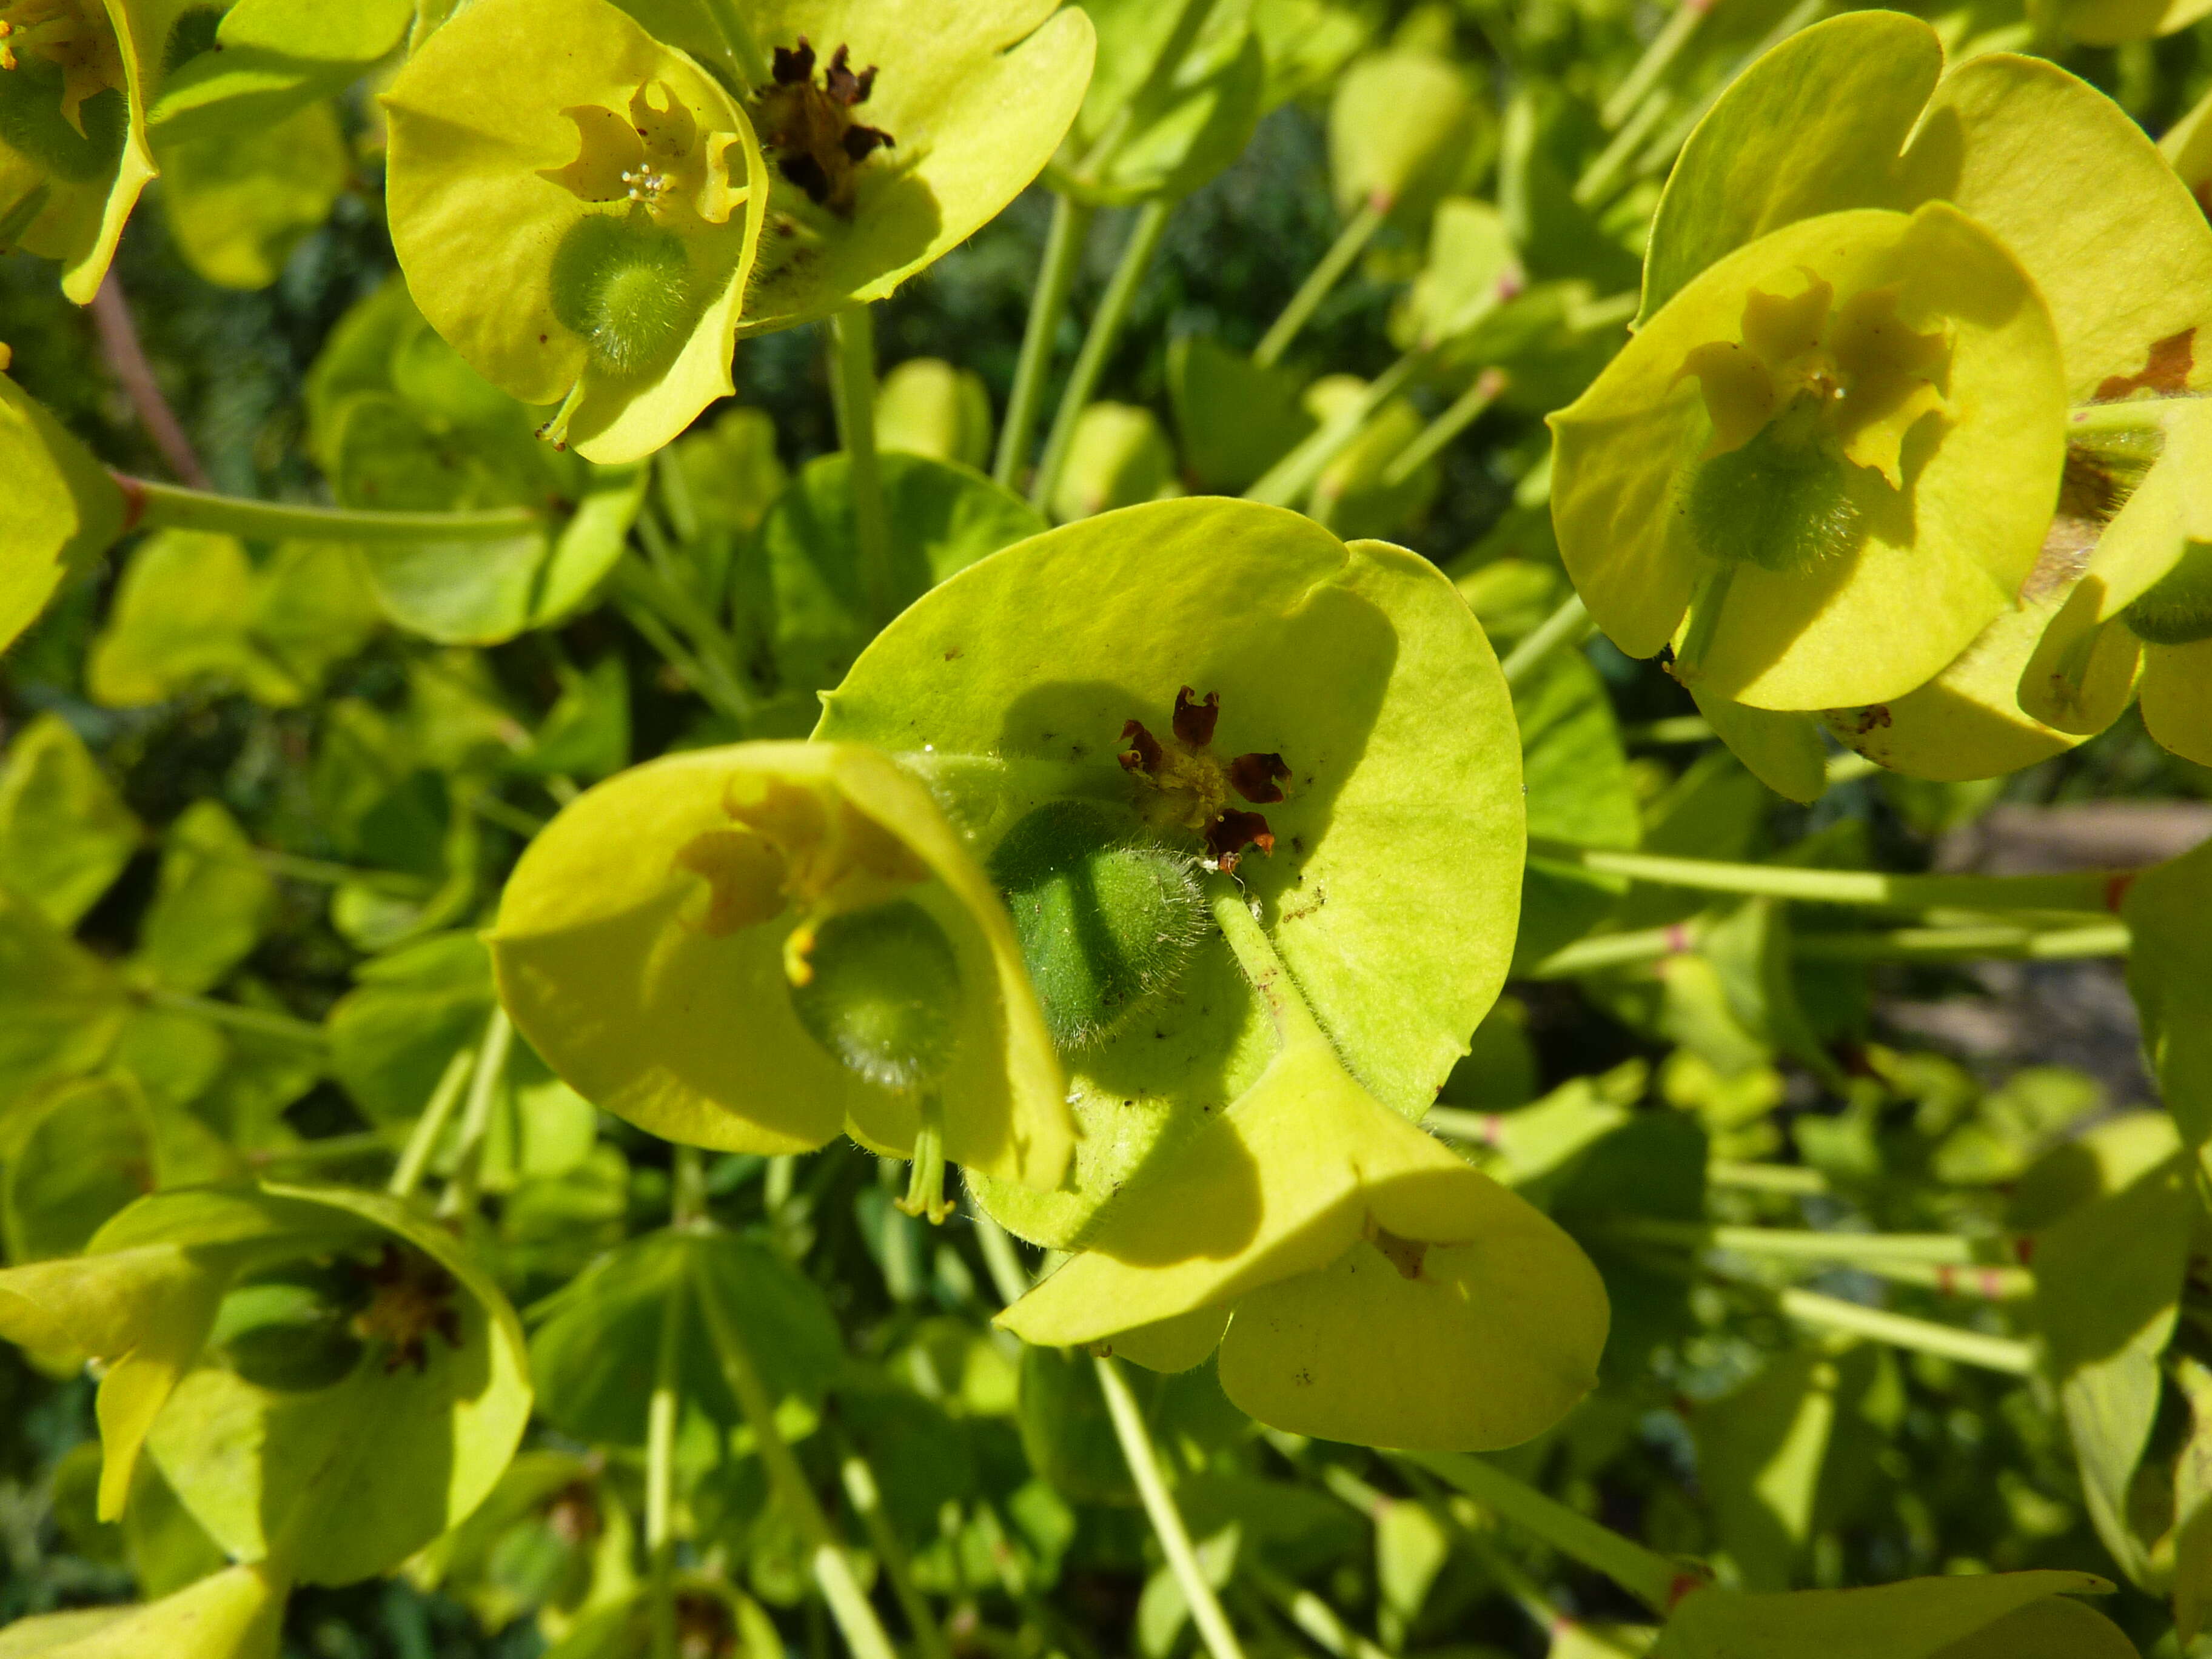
(60, 511)
(1342, 804)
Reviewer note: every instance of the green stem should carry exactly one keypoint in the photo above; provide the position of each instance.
(1004, 1263)
(1256, 954)
(1661, 153)
(687, 1190)
(1590, 956)
(2073, 890)
(661, 1411)
(2103, 938)
(1310, 1614)
(460, 1195)
(1570, 625)
(1287, 483)
(1707, 604)
(1599, 178)
(1351, 241)
(260, 1022)
(1791, 1180)
(172, 507)
(1137, 1452)
(890, 1550)
(1464, 411)
(1798, 1244)
(1063, 256)
(1098, 343)
(1995, 1353)
(1658, 57)
(852, 339)
(1646, 1574)
(422, 1140)
(490, 807)
(330, 1149)
(743, 49)
(320, 870)
(2136, 415)
(657, 608)
(833, 1569)
(1676, 728)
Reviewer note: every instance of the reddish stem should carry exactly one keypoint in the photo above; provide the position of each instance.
(126, 359)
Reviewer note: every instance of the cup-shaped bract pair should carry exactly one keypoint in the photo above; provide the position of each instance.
(60, 508)
(1254, 794)
(325, 1380)
(593, 218)
(1832, 455)
(76, 78)
(754, 948)
(1403, 126)
(577, 206)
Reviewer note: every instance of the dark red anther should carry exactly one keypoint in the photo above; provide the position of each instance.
(1259, 778)
(794, 66)
(2116, 890)
(1193, 722)
(1143, 753)
(1228, 835)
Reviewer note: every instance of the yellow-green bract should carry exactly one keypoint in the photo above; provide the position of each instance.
(1822, 565)
(648, 941)
(974, 96)
(60, 508)
(76, 79)
(331, 1482)
(577, 208)
(1247, 1129)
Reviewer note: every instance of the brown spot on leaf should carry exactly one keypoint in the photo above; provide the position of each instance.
(1406, 1255)
(2165, 370)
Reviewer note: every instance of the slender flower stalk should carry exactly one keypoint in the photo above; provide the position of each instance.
(1570, 625)
(1287, 481)
(1063, 256)
(155, 506)
(853, 346)
(422, 1140)
(1160, 1508)
(2074, 890)
(1351, 241)
(460, 1195)
(1098, 344)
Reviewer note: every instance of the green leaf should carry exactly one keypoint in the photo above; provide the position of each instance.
(1233, 418)
(2108, 1283)
(65, 834)
(1917, 1619)
(61, 509)
(2170, 974)
(1118, 457)
(211, 903)
(926, 406)
(89, 1150)
(272, 58)
(1402, 126)
(392, 1035)
(1174, 95)
(239, 202)
(341, 1483)
(1760, 1448)
(942, 517)
(238, 1614)
(61, 1007)
(596, 1349)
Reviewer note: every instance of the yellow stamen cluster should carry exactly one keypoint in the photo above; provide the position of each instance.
(793, 846)
(1853, 374)
(655, 157)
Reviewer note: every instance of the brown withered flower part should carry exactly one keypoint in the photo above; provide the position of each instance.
(1189, 788)
(809, 126)
(411, 1297)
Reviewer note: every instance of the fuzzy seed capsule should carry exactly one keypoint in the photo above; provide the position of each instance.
(625, 285)
(1104, 919)
(884, 995)
(2178, 608)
